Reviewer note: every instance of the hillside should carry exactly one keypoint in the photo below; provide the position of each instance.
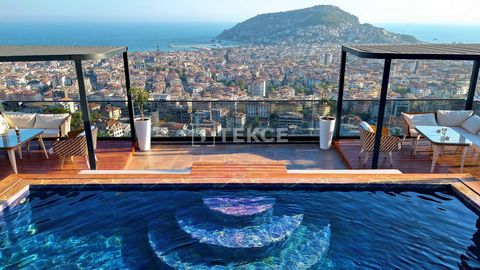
(318, 24)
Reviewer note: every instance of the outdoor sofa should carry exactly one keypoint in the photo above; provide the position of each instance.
(465, 122)
(53, 125)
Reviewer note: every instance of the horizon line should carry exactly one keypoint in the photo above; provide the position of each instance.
(133, 20)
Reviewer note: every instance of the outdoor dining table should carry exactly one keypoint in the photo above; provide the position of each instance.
(440, 137)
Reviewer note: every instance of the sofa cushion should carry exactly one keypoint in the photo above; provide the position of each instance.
(3, 125)
(472, 124)
(50, 121)
(19, 119)
(366, 126)
(423, 119)
(451, 118)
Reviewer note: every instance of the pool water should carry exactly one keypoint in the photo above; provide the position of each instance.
(239, 229)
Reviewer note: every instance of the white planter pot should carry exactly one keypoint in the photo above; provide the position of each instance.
(143, 130)
(327, 125)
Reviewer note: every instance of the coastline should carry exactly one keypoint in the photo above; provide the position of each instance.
(169, 37)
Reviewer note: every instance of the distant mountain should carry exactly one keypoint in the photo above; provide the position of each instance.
(318, 24)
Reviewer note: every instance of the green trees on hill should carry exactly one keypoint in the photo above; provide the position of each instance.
(302, 89)
(240, 84)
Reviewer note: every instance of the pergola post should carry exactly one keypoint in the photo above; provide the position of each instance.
(131, 113)
(473, 85)
(341, 85)
(85, 114)
(381, 113)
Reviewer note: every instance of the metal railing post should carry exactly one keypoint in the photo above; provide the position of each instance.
(473, 85)
(130, 106)
(381, 113)
(85, 115)
(341, 85)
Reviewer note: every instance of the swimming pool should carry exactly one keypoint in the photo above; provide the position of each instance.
(229, 228)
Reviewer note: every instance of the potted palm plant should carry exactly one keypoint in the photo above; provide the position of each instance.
(143, 125)
(327, 122)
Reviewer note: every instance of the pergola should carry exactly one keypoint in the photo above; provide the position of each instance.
(463, 52)
(76, 54)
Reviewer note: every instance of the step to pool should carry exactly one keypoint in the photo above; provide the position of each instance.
(270, 231)
(307, 247)
(227, 169)
(239, 206)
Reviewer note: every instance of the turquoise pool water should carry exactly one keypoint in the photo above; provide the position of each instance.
(239, 229)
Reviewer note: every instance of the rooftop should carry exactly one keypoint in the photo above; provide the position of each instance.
(417, 51)
(59, 53)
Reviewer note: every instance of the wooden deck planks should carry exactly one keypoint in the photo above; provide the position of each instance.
(406, 163)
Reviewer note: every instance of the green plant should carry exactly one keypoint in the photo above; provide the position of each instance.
(77, 121)
(324, 89)
(140, 98)
(326, 105)
(55, 110)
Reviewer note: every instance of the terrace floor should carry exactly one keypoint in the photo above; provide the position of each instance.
(118, 155)
(112, 155)
(296, 156)
(406, 163)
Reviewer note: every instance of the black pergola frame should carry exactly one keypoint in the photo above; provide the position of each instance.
(76, 54)
(448, 52)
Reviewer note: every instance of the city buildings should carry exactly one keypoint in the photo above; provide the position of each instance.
(188, 87)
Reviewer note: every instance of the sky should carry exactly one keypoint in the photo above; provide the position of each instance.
(369, 11)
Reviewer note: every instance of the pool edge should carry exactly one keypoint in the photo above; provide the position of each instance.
(15, 187)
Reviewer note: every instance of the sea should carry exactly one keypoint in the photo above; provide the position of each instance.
(438, 33)
(137, 36)
(149, 36)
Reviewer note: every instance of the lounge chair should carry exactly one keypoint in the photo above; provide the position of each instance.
(75, 145)
(388, 144)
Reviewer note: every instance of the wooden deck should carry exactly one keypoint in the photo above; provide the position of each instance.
(119, 155)
(112, 155)
(406, 163)
(295, 156)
